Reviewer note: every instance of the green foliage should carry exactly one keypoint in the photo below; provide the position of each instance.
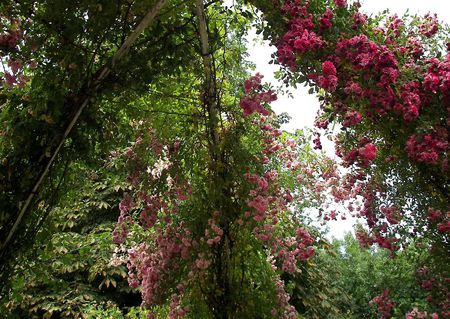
(362, 274)
(71, 267)
(112, 312)
(314, 290)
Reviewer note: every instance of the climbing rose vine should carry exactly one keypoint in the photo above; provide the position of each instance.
(385, 83)
(177, 244)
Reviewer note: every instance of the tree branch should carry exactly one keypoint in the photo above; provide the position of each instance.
(210, 98)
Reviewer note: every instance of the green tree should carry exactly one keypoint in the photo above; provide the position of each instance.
(363, 273)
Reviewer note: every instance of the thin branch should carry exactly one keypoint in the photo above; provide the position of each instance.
(52, 203)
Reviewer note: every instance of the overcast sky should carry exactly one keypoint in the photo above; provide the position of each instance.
(303, 107)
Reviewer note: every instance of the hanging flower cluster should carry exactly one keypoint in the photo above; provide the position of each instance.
(255, 96)
(12, 39)
(269, 202)
(284, 308)
(439, 219)
(362, 155)
(268, 199)
(429, 148)
(384, 304)
(155, 264)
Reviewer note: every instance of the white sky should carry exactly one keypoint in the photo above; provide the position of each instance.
(303, 107)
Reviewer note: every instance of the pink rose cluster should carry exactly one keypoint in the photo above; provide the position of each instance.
(436, 285)
(416, 314)
(300, 37)
(430, 148)
(267, 200)
(284, 310)
(176, 310)
(16, 77)
(316, 141)
(214, 233)
(341, 3)
(328, 79)
(9, 41)
(430, 25)
(151, 267)
(352, 118)
(362, 155)
(384, 304)
(437, 77)
(440, 219)
(255, 97)
(326, 20)
(120, 232)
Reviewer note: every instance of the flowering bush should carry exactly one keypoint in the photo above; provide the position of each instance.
(385, 82)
